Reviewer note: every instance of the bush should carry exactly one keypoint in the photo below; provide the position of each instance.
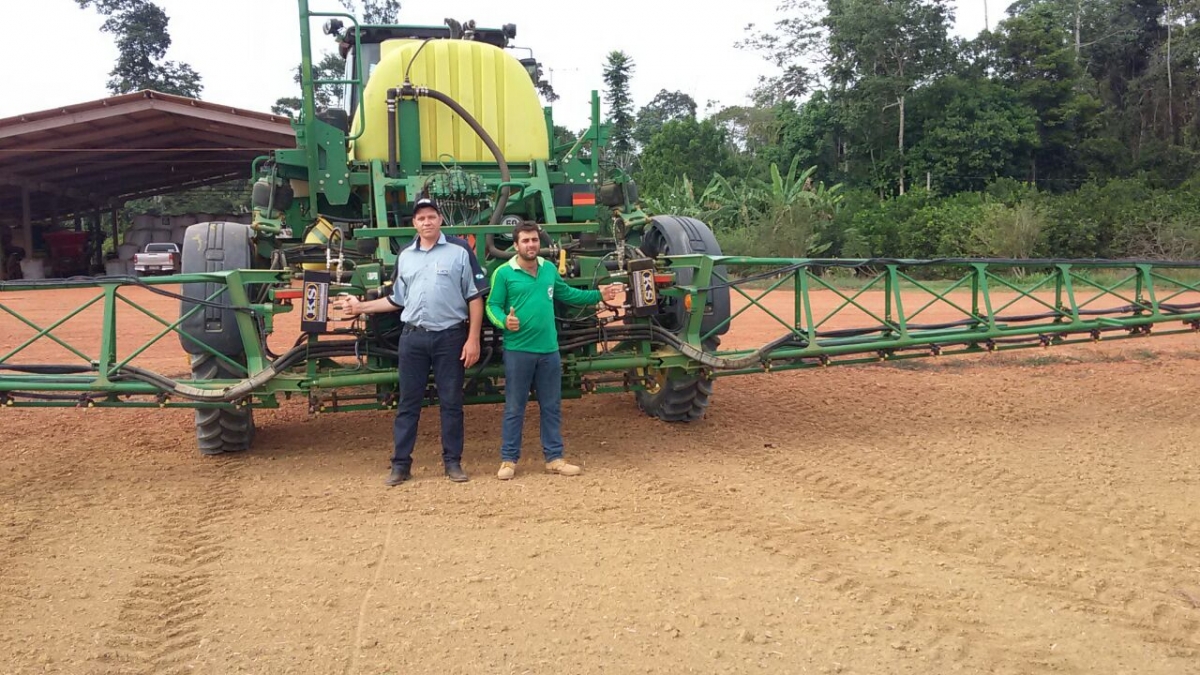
(1009, 231)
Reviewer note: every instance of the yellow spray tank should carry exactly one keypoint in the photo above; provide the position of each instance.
(326, 234)
(485, 80)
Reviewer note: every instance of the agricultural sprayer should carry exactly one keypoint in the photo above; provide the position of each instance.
(449, 112)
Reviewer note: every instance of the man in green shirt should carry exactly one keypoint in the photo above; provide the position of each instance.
(522, 304)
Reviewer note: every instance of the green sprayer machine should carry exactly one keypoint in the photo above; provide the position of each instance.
(452, 112)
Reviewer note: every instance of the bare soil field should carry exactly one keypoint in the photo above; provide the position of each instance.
(1029, 512)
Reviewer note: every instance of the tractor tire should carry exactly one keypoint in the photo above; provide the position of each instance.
(213, 247)
(683, 397)
(216, 247)
(680, 235)
(220, 430)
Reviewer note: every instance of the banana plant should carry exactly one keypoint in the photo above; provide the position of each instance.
(795, 209)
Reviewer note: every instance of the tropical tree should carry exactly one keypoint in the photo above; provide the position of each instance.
(618, 70)
(664, 107)
(683, 147)
(140, 29)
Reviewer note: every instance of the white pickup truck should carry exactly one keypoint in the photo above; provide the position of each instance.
(157, 259)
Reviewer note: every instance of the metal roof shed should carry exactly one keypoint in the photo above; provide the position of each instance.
(99, 154)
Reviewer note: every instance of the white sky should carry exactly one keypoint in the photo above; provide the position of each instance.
(245, 50)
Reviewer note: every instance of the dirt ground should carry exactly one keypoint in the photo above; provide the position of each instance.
(1032, 512)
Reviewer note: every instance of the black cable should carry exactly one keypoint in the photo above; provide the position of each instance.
(935, 262)
(49, 369)
(45, 397)
(123, 280)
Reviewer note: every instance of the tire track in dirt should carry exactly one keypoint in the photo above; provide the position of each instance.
(22, 510)
(1100, 576)
(160, 622)
(929, 627)
(31, 526)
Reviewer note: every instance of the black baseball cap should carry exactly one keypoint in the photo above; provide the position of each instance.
(425, 202)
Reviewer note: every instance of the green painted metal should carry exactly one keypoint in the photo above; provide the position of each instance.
(893, 314)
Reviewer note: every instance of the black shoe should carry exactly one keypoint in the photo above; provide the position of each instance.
(397, 476)
(455, 473)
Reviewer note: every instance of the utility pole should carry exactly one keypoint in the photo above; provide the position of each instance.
(987, 25)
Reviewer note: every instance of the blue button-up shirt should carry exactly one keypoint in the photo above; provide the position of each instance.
(434, 285)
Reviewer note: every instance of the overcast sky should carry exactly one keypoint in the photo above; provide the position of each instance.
(245, 49)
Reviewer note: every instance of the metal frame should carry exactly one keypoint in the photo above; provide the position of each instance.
(1073, 305)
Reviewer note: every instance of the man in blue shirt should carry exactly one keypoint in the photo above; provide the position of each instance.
(442, 311)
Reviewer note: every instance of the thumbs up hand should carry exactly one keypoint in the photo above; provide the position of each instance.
(512, 322)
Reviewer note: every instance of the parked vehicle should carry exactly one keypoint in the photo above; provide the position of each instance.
(157, 259)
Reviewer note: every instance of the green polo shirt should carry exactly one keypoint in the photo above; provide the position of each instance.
(533, 299)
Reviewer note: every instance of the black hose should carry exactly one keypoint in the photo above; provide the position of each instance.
(245, 387)
(502, 164)
(91, 282)
(49, 369)
(391, 124)
(935, 262)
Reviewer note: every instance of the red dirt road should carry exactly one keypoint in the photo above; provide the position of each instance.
(1033, 512)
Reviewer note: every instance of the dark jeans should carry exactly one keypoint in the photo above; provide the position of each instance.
(422, 352)
(543, 371)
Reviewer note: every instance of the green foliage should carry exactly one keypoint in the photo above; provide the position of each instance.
(715, 204)
(973, 133)
(330, 67)
(1125, 218)
(1034, 55)
(793, 214)
(618, 70)
(682, 148)
(664, 107)
(231, 197)
(374, 11)
(140, 29)
(808, 132)
(790, 215)
(1009, 231)
(878, 53)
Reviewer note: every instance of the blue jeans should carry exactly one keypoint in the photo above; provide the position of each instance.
(420, 353)
(543, 371)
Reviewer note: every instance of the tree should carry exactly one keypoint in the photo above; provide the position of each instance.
(664, 107)
(140, 28)
(564, 136)
(796, 40)
(881, 50)
(330, 67)
(374, 11)
(545, 88)
(683, 147)
(808, 132)
(750, 130)
(974, 132)
(618, 71)
(1035, 56)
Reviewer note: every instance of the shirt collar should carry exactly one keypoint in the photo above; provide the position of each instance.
(514, 262)
(417, 241)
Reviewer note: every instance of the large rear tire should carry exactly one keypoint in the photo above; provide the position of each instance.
(683, 396)
(221, 430)
(216, 247)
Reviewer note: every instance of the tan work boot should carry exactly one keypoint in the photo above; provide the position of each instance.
(507, 471)
(560, 467)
